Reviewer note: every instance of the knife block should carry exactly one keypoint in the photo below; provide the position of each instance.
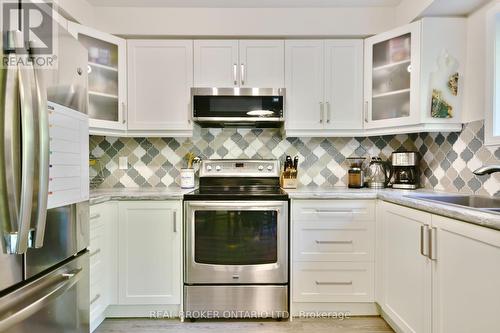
(290, 183)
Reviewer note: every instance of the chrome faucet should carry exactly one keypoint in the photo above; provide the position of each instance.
(487, 169)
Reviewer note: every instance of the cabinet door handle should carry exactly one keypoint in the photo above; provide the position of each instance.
(424, 246)
(333, 242)
(366, 111)
(327, 112)
(95, 299)
(124, 119)
(175, 221)
(235, 74)
(95, 216)
(95, 252)
(432, 243)
(334, 283)
(243, 74)
(321, 112)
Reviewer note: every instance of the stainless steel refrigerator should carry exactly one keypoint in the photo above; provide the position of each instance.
(44, 264)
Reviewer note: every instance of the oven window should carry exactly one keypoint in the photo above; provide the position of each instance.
(236, 237)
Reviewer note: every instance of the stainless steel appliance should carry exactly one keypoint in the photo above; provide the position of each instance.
(236, 241)
(240, 107)
(44, 265)
(405, 172)
(378, 173)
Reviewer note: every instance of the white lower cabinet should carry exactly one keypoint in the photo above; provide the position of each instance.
(436, 274)
(405, 272)
(466, 278)
(103, 220)
(332, 255)
(149, 244)
(135, 258)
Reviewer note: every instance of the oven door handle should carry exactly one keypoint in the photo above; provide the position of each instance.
(244, 205)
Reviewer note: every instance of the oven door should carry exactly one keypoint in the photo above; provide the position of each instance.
(236, 242)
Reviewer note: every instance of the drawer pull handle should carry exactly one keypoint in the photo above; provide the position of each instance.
(334, 242)
(95, 252)
(334, 211)
(340, 283)
(95, 216)
(95, 299)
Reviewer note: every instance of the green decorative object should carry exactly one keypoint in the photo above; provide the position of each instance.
(453, 84)
(440, 108)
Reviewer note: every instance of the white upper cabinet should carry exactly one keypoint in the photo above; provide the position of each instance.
(304, 76)
(216, 63)
(323, 81)
(233, 63)
(409, 77)
(107, 76)
(344, 84)
(262, 63)
(160, 77)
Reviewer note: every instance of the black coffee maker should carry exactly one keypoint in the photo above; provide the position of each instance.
(405, 172)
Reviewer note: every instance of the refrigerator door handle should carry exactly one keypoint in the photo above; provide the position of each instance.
(41, 113)
(25, 308)
(17, 239)
(10, 161)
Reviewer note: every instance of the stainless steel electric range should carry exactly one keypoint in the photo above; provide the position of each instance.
(236, 242)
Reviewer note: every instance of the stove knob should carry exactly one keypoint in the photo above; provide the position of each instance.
(217, 168)
(209, 168)
(269, 167)
(261, 168)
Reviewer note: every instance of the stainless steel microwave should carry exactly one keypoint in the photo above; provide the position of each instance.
(238, 107)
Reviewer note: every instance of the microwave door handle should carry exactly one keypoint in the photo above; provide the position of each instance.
(10, 162)
(43, 158)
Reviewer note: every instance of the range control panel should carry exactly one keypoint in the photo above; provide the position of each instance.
(239, 168)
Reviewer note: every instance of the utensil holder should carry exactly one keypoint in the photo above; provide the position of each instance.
(187, 178)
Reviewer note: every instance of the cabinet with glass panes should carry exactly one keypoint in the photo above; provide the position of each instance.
(106, 79)
(399, 70)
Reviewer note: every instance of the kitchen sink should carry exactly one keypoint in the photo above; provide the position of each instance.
(470, 201)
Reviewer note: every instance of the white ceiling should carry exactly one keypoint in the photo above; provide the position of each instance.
(453, 8)
(244, 3)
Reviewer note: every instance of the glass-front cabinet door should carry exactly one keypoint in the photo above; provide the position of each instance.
(107, 79)
(392, 77)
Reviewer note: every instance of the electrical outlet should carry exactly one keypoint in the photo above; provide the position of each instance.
(123, 163)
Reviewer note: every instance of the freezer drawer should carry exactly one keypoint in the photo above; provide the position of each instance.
(11, 269)
(57, 302)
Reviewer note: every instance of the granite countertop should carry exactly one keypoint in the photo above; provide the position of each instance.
(161, 193)
(402, 197)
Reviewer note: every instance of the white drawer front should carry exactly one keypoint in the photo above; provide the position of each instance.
(97, 302)
(333, 282)
(333, 241)
(333, 210)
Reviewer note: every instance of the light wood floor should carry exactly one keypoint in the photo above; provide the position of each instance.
(350, 325)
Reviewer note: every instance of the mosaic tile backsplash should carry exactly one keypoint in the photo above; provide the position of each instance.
(447, 158)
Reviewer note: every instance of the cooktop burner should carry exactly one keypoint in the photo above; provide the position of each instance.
(238, 180)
